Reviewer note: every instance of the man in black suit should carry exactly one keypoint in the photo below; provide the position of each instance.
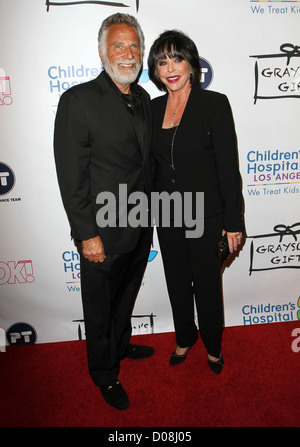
(102, 145)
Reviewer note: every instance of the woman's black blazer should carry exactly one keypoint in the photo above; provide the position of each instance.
(205, 154)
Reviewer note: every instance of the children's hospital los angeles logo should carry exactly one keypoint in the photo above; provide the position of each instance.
(275, 7)
(273, 172)
(63, 77)
(71, 268)
(270, 312)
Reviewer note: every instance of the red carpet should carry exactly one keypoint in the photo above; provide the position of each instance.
(48, 385)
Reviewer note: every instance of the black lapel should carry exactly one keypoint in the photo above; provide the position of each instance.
(147, 126)
(192, 112)
(115, 109)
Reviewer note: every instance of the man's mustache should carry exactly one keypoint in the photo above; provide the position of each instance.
(127, 62)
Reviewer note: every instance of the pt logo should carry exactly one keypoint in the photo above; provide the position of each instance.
(21, 334)
(7, 179)
(206, 73)
(12, 272)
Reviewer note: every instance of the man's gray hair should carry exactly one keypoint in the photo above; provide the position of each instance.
(117, 19)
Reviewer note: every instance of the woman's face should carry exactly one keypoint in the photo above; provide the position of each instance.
(174, 73)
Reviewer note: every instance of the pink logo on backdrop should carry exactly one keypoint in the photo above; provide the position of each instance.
(5, 91)
(13, 272)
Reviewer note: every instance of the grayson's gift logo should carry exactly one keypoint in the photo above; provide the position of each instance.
(277, 250)
(278, 75)
(78, 2)
(141, 324)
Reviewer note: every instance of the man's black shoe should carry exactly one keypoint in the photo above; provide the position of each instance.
(115, 395)
(138, 352)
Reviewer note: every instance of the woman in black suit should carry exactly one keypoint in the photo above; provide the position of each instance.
(194, 148)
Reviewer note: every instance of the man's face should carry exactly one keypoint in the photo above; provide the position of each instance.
(122, 60)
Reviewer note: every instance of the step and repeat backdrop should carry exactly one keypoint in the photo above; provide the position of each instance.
(250, 50)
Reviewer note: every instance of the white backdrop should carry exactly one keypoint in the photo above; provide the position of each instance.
(250, 50)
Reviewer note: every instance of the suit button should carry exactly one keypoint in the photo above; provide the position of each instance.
(173, 180)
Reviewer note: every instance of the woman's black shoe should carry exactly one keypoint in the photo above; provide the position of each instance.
(216, 366)
(175, 358)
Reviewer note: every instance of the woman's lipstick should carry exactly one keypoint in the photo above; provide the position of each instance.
(173, 79)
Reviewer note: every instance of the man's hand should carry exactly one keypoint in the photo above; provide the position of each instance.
(93, 249)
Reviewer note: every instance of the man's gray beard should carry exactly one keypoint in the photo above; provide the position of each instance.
(121, 78)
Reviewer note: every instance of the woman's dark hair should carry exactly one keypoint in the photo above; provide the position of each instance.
(173, 44)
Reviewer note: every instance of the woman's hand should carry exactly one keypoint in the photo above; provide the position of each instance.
(234, 240)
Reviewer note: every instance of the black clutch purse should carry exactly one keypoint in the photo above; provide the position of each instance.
(223, 252)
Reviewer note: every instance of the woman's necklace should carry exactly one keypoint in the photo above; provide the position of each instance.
(174, 113)
(172, 149)
(174, 134)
